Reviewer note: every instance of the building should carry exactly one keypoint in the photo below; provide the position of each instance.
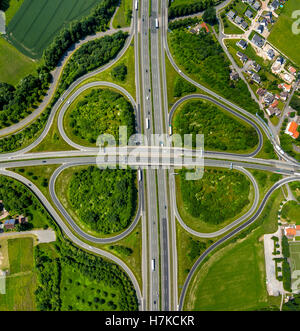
(204, 26)
(268, 98)
(261, 92)
(231, 14)
(9, 224)
(242, 44)
(284, 96)
(234, 75)
(256, 67)
(260, 29)
(292, 231)
(248, 13)
(258, 41)
(256, 5)
(274, 104)
(274, 5)
(292, 70)
(271, 54)
(243, 57)
(256, 78)
(280, 60)
(244, 25)
(264, 22)
(292, 130)
(238, 20)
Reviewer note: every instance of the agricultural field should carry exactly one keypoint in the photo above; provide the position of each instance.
(13, 64)
(217, 199)
(291, 212)
(282, 31)
(37, 22)
(234, 277)
(21, 281)
(222, 131)
(14, 6)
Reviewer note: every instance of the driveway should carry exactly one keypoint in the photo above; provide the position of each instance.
(44, 236)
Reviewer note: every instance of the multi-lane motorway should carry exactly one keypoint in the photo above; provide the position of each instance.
(157, 207)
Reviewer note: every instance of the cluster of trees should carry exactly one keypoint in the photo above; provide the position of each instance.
(221, 131)
(184, 23)
(119, 73)
(104, 200)
(218, 196)
(50, 265)
(204, 59)
(210, 16)
(4, 4)
(182, 87)
(90, 56)
(102, 111)
(96, 21)
(17, 102)
(295, 104)
(196, 248)
(126, 251)
(183, 8)
(293, 304)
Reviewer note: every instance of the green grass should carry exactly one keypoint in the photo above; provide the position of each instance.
(230, 28)
(291, 212)
(282, 31)
(123, 16)
(37, 21)
(20, 252)
(78, 292)
(295, 262)
(14, 6)
(13, 64)
(21, 281)
(234, 277)
(198, 223)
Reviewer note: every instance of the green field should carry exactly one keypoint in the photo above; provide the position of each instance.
(21, 281)
(13, 64)
(14, 6)
(38, 21)
(291, 212)
(234, 277)
(123, 16)
(295, 264)
(282, 32)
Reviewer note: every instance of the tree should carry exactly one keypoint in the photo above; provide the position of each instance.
(210, 16)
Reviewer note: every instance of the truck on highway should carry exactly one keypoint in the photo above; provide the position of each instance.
(136, 5)
(153, 264)
(147, 123)
(140, 174)
(156, 23)
(279, 149)
(170, 130)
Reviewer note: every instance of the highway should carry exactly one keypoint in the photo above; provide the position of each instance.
(157, 207)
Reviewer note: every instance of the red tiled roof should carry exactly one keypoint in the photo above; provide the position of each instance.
(203, 25)
(293, 126)
(290, 232)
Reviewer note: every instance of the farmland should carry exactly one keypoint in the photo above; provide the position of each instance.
(38, 21)
(282, 32)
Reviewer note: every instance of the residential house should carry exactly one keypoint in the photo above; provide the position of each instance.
(231, 14)
(268, 98)
(292, 130)
(238, 20)
(248, 13)
(256, 5)
(280, 60)
(286, 87)
(234, 75)
(261, 92)
(256, 78)
(284, 96)
(9, 224)
(275, 104)
(264, 22)
(270, 111)
(258, 41)
(205, 27)
(274, 5)
(244, 25)
(243, 57)
(271, 54)
(242, 44)
(292, 70)
(260, 29)
(292, 231)
(256, 67)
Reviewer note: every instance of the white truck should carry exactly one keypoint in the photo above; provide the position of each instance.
(136, 5)
(153, 264)
(156, 23)
(140, 174)
(147, 123)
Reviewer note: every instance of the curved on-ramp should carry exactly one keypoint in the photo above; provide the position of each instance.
(230, 235)
(231, 225)
(69, 233)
